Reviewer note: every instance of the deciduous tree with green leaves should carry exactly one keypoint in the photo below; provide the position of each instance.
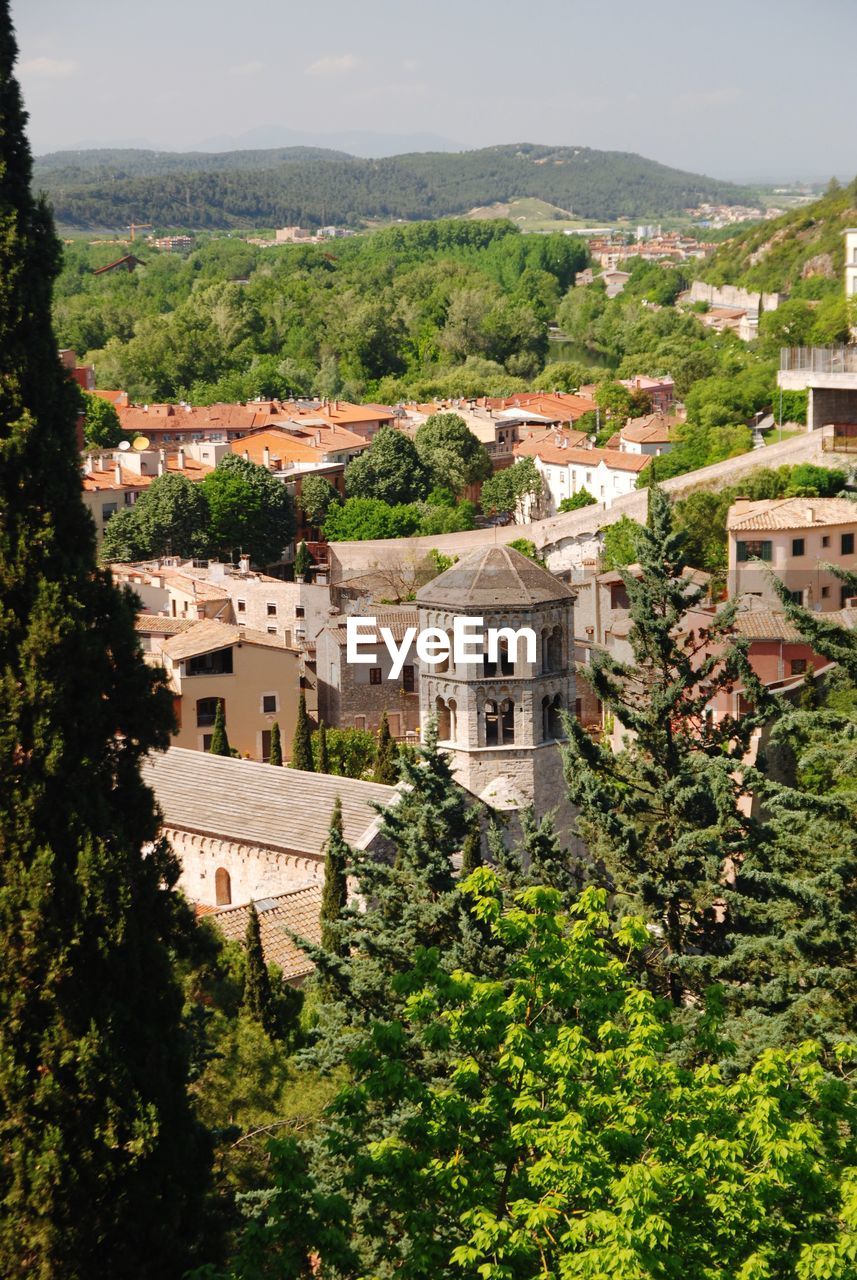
(250, 512)
(451, 452)
(559, 1138)
(390, 470)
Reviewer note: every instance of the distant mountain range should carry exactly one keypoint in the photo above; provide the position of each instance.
(309, 185)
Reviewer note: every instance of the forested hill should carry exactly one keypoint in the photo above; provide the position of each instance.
(310, 187)
(802, 253)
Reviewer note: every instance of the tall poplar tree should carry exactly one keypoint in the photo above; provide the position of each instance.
(258, 996)
(103, 1164)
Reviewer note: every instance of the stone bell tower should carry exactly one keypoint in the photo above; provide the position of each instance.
(501, 719)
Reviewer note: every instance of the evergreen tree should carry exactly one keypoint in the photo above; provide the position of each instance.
(219, 740)
(334, 898)
(471, 852)
(302, 560)
(103, 1163)
(663, 814)
(386, 770)
(276, 756)
(258, 996)
(545, 861)
(302, 740)
(322, 756)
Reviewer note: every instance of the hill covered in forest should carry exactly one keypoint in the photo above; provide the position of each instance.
(308, 186)
(802, 253)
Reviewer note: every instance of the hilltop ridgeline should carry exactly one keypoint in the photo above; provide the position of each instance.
(312, 186)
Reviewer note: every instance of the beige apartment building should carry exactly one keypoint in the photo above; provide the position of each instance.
(793, 539)
(254, 675)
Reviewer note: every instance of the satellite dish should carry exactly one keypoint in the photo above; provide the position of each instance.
(124, 445)
(140, 443)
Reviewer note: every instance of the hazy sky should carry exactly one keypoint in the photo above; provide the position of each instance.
(734, 88)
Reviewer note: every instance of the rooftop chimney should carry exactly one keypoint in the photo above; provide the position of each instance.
(87, 465)
(181, 459)
(266, 457)
(117, 472)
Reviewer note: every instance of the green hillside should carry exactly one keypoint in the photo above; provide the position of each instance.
(801, 253)
(297, 185)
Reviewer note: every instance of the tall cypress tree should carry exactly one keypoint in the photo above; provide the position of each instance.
(386, 755)
(258, 997)
(322, 759)
(103, 1164)
(219, 739)
(335, 893)
(302, 740)
(276, 756)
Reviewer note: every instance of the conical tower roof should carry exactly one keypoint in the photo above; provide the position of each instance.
(494, 577)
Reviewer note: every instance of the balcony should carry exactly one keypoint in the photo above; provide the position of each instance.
(839, 359)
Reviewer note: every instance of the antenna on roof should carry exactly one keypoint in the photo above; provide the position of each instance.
(140, 443)
(124, 444)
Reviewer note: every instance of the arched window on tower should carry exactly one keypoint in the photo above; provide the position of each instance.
(507, 666)
(553, 650)
(499, 723)
(445, 712)
(446, 663)
(222, 887)
(552, 718)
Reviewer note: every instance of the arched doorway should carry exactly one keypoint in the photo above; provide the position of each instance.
(222, 887)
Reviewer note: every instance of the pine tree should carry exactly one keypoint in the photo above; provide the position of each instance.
(219, 740)
(104, 1166)
(302, 740)
(663, 815)
(335, 894)
(322, 759)
(276, 756)
(386, 770)
(258, 996)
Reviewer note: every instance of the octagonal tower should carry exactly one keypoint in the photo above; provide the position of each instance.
(501, 720)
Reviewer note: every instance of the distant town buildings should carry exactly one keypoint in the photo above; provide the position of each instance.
(174, 244)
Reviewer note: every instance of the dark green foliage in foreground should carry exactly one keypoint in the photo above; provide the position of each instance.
(663, 815)
(104, 1168)
(559, 1138)
(258, 995)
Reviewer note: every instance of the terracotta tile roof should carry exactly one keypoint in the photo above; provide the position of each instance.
(552, 446)
(297, 442)
(613, 459)
(101, 479)
(279, 809)
(765, 624)
(207, 635)
(298, 912)
(654, 428)
(153, 624)
(790, 513)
